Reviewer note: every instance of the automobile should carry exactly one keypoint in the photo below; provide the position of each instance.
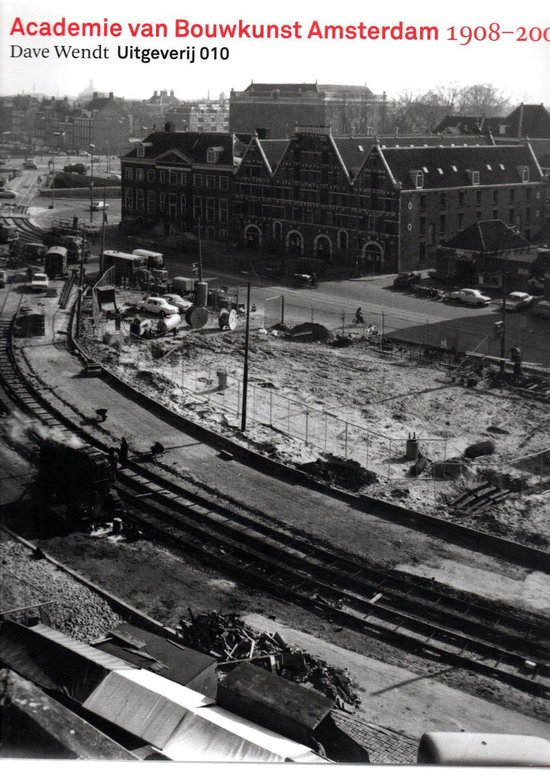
(541, 309)
(30, 165)
(7, 194)
(157, 305)
(175, 299)
(469, 297)
(39, 282)
(406, 279)
(517, 300)
(100, 205)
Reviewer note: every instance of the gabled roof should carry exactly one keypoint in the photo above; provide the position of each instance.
(273, 150)
(193, 145)
(487, 237)
(528, 121)
(448, 167)
(467, 124)
(354, 151)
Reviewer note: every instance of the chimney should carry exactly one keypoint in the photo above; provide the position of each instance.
(111, 95)
(169, 127)
(95, 95)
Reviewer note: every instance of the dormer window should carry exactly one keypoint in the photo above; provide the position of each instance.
(213, 154)
(419, 179)
(473, 175)
(140, 152)
(524, 173)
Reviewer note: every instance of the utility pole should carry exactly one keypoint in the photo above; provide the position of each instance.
(503, 328)
(80, 283)
(200, 252)
(245, 369)
(92, 147)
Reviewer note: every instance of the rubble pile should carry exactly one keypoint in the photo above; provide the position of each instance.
(228, 639)
(340, 472)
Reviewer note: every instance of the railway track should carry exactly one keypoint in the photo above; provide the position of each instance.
(407, 612)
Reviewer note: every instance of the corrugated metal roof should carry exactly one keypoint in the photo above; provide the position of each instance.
(143, 703)
(91, 653)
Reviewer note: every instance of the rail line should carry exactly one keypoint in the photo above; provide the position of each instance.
(399, 609)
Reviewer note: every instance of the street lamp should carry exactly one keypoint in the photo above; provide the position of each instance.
(56, 135)
(92, 147)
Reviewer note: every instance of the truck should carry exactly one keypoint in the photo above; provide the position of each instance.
(55, 262)
(72, 243)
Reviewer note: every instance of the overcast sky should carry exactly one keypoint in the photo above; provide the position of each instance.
(521, 70)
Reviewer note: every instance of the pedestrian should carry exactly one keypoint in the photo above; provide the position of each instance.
(515, 356)
(123, 452)
(359, 316)
(113, 458)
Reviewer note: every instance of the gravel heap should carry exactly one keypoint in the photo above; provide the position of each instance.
(77, 611)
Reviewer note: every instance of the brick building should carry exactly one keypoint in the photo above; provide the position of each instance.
(380, 207)
(274, 110)
(172, 180)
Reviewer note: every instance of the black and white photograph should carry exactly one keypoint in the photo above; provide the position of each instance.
(274, 385)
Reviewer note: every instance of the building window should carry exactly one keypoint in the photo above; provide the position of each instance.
(478, 197)
(150, 202)
(495, 213)
(150, 176)
(419, 179)
(224, 182)
(183, 179)
(223, 235)
(432, 234)
(474, 177)
(528, 194)
(197, 181)
(139, 174)
(140, 151)
(342, 240)
(461, 199)
(460, 220)
(140, 200)
(210, 209)
(478, 215)
(422, 202)
(527, 215)
(422, 226)
(224, 211)
(525, 175)
(172, 177)
(210, 181)
(210, 233)
(183, 203)
(443, 199)
(442, 225)
(197, 207)
(495, 196)
(129, 174)
(162, 202)
(422, 251)
(162, 176)
(512, 195)
(511, 216)
(129, 199)
(213, 154)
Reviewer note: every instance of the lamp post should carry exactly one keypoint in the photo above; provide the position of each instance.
(55, 135)
(245, 369)
(92, 149)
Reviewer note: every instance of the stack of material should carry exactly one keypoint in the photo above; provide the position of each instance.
(226, 637)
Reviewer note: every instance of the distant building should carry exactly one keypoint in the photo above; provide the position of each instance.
(200, 116)
(525, 121)
(274, 110)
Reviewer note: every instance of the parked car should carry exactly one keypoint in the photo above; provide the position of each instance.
(39, 282)
(175, 299)
(100, 205)
(541, 309)
(157, 305)
(406, 279)
(469, 297)
(30, 165)
(7, 194)
(517, 300)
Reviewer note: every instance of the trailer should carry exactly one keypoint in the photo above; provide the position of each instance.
(55, 262)
(127, 267)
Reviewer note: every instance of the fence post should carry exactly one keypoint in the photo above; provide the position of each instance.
(343, 321)
(238, 397)
(312, 314)
(288, 418)
(346, 441)
(307, 425)
(271, 407)
(389, 459)
(325, 414)
(282, 308)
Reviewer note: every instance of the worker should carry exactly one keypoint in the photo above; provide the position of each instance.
(359, 316)
(515, 356)
(123, 452)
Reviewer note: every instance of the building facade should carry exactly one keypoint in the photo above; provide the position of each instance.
(177, 182)
(379, 206)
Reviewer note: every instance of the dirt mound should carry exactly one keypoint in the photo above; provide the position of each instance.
(342, 473)
(310, 333)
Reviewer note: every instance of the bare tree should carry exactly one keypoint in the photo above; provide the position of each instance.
(483, 100)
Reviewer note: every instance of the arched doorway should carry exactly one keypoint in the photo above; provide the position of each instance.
(252, 237)
(295, 243)
(372, 258)
(322, 247)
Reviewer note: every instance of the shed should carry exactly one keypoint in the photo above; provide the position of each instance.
(163, 656)
(273, 702)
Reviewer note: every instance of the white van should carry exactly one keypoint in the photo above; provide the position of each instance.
(39, 282)
(100, 205)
